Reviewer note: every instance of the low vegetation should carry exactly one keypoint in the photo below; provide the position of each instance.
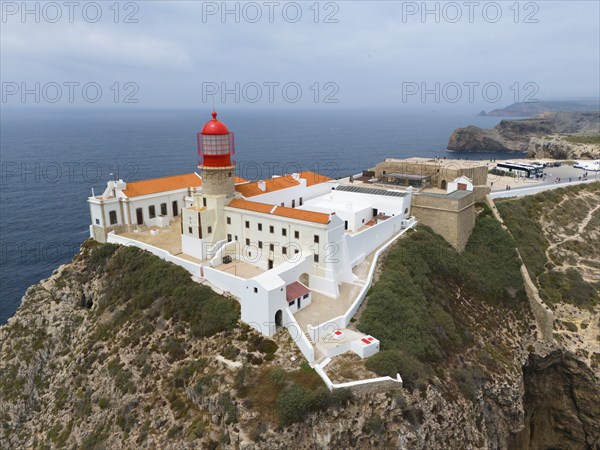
(286, 397)
(546, 229)
(578, 139)
(410, 309)
(144, 287)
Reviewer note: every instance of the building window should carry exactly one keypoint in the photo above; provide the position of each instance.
(190, 230)
(296, 251)
(283, 232)
(293, 203)
(247, 224)
(305, 296)
(113, 217)
(271, 229)
(282, 203)
(152, 211)
(284, 250)
(229, 221)
(204, 201)
(256, 290)
(209, 230)
(163, 209)
(247, 241)
(97, 221)
(259, 244)
(300, 201)
(316, 258)
(316, 238)
(272, 247)
(175, 208)
(228, 238)
(259, 226)
(297, 234)
(229, 174)
(292, 303)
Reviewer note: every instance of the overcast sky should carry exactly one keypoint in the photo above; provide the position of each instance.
(361, 54)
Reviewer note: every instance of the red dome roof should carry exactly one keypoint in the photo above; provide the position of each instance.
(214, 126)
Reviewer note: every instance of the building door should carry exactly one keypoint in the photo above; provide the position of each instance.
(270, 264)
(278, 318)
(375, 212)
(175, 209)
(462, 187)
(444, 184)
(139, 215)
(299, 302)
(345, 224)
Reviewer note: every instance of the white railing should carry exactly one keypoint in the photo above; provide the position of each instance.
(368, 384)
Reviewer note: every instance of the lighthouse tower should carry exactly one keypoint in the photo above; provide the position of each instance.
(203, 222)
(216, 147)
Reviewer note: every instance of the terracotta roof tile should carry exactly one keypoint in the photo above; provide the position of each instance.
(155, 185)
(295, 290)
(314, 178)
(301, 214)
(272, 184)
(251, 206)
(281, 211)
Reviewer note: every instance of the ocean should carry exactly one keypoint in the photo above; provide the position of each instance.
(51, 159)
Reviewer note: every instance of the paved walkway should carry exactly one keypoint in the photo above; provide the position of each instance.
(323, 308)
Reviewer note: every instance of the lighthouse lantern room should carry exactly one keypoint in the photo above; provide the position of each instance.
(216, 147)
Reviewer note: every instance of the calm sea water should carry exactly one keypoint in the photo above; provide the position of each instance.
(50, 160)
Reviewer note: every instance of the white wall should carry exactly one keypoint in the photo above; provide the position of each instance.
(453, 186)
(193, 268)
(286, 195)
(289, 321)
(365, 242)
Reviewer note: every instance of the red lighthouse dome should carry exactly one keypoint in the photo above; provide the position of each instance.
(214, 126)
(215, 144)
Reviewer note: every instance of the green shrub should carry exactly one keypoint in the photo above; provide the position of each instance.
(278, 376)
(392, 362)
(144, 287)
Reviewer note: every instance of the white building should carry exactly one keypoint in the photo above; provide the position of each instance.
(293, 236)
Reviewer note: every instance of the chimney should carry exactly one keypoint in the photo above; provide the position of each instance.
(262, 185)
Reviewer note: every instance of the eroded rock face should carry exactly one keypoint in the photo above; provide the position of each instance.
(561, 401)
(514, 135)
(556, 147)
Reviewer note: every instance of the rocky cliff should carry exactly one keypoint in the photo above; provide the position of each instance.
(120, 349)
(515, 135)
(559, 147)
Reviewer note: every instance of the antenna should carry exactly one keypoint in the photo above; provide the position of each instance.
(213, 99)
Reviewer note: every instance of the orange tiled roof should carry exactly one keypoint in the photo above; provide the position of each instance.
(275, 184)
(271, 185)
(155, 185)
(251, 206)
(314, 178)
(301, 214)
(282, 211)
(237, 180)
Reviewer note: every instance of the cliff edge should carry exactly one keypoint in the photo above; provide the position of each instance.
(515, 135)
